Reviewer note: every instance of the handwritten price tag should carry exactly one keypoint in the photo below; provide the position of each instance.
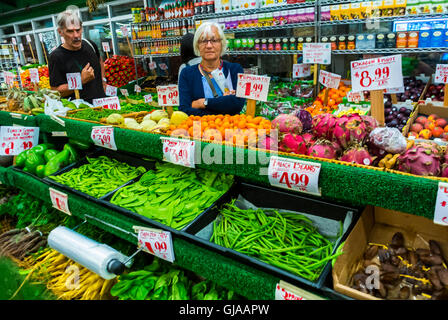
(14, 140)
(9, 78)
(301, 70)
(152, 65)
(168, 95)
(355, 96)
(111, 91)
(163, 66)
(329, 80)
(106, 46)
(14, 41)
(74, 81)
(103, 136)
(295, 175)
(441, 75)
(441, 209)
(34, 75)
(112, 103)
(148, 98)
(317, 53)
(179, 151)
(124, 30)
(59, 200)
(28, 38)
(286, 291)
(156, 242)
(137, 88)
(377, 73)
(124, 92)
(253, 87)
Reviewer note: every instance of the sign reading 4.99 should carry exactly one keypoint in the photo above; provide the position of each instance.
(253, 87)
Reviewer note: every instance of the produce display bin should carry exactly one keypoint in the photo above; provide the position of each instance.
(193, 227)
(378, 225)
(133, 160)
(263, 197)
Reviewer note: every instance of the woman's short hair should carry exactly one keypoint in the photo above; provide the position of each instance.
(206, 29)
(68, 16)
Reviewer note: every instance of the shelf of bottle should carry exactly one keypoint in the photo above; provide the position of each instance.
(146, 40)
(384, 19)
(284, 26)
(161, 21)
(391, 51)
(263, 52)
(159, 55)
(253, 11)
(330, 2)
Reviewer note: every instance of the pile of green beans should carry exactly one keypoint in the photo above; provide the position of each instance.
(286, 240)
(100, 176)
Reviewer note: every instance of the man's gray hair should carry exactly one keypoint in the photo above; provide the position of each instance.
(205, 29)
(70, 16)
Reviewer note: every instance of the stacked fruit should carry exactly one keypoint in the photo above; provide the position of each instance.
(44, 79)
(120, 70)
(427, 127)
(335, 97)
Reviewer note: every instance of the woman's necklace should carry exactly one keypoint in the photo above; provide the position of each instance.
(203, 70)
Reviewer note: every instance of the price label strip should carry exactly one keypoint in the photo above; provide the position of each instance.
(301, 70)
(316, 53)
(179, 151)
(441, 75)
(329, 80)
(441, 208)
(377, 73)
(294, 175)
(112, 103)
(156, 242)
(286, 291)
(168, 95)
(252, 87)
(74, 81)
(103, 136)
(59, 201)
(14, 139)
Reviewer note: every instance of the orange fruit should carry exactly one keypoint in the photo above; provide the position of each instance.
(425, 134)
(437, 132)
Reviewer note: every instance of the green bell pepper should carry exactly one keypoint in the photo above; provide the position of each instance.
(57, 162)
(40, 170)
(79, 144)
(41, 148)
(50, 153)
(73, 153)
(21, 158)
(32, 161)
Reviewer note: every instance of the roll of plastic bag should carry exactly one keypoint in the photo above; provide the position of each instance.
(97, 257)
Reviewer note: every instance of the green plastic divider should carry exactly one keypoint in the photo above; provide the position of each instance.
(12, 118)
(346, 184)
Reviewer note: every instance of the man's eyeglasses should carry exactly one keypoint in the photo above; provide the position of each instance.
(212, 41)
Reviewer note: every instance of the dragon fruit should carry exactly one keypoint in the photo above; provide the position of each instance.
(323, 148)
(371, 123)
(293, 143)
(287, 123)
(357, 154)
(349, 130)
(309, 139)
(444, 170)
(422, 159)
(306, 118)
(268, 143)
(323, 125)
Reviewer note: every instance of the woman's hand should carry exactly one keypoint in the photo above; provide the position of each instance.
(198, 104)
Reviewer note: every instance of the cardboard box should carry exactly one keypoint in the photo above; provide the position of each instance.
(378, 225)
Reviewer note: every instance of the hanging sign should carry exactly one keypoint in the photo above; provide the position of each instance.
(103, 136)
(179, 151)
(14, 140)
(112, 103)
(168, 95)
(74, 81)
(329, 80)
(252, 87)
(317, 53)
(294, 175)
(301, 70)
(59, 200)
(377, 73)
(156, 242)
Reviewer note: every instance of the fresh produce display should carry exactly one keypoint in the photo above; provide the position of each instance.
(429, 127)
(413, 89)
(44, 160)
(96, 114)
(335, 97)
(435, 92)
(120, 70)
(99, 176)
(44, 78)
(405, 273)
(286, 240)
(163, 281)
(18, 243)
(31, 103)
(396, 116)
(173, 195)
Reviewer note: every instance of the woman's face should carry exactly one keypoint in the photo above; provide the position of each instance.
(210, 45)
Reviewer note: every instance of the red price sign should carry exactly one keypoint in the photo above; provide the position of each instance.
(111, 91)
(112, 103)
(179, 151)
(34, 75)
(104, 137)
(441, 75)
(168, 95)
(137, 88)
(329, 80)
(253, 87)
(106, 46)
(301, 70)
(152, 65)
(156, 242)
(14, 139)
(355, 96)
(317, 53)
(59, 200)
(441, 208)
(295, 175)
(377, 73)
(9, 78)
(74, 81)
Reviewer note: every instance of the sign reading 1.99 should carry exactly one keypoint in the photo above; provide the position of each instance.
(253, 87)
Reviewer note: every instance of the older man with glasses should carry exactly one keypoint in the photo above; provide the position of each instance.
(209, 87)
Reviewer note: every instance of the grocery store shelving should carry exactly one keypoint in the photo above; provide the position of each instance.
(162, 21)
(161, 55)
(267, 28)
(264, 52)
(383, 19)
(146, 40)
(391, 51)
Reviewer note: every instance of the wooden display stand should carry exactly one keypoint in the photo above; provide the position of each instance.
(250, 107)
(377, 106)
